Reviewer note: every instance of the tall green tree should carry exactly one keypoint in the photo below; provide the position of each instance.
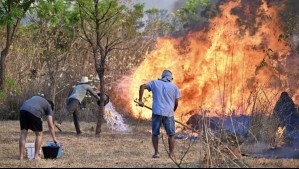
(56, 28)
(158, 24)
(106, 25)
(195, 13)
(11, 14)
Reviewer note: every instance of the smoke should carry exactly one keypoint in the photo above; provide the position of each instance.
(291, 152)
(170, 5)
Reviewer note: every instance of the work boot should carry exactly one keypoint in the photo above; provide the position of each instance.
(58, 126)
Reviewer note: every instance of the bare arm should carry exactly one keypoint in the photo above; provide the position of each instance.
(51, 128)
(176, 104)
(141, 90)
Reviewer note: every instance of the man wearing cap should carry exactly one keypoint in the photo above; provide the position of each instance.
(74, 100)
(165, 103)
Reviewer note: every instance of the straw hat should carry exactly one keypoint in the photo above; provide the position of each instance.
(85, 79)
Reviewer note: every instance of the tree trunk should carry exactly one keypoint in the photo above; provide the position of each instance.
(53, 92)
(3, 56)
(100, 72)
(51, 77)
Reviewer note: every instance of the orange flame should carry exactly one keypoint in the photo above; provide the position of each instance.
(217, 69)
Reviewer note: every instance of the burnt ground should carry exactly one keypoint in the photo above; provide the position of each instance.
(111, 149)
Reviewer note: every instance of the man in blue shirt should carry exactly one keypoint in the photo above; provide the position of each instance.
(165, 103)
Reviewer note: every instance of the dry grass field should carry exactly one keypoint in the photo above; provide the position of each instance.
(112, 149)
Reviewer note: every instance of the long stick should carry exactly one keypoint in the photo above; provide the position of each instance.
(216, 149)
(174, 120)
(144, 105)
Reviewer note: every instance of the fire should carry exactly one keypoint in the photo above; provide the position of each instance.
(216, 69)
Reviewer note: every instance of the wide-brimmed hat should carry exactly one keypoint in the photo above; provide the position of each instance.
(85, 79)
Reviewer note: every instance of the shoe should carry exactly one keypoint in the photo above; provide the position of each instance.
(58, 126)
(156, 156)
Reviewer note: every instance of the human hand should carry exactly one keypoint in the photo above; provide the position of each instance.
(58, 143)
(140, 103)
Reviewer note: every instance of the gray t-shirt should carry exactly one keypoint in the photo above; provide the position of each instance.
(80, 91)
(37, 106)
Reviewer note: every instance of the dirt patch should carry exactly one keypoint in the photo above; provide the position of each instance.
(111, 149)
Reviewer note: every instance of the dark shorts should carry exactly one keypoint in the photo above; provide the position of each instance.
(168, 123)
(29, 121)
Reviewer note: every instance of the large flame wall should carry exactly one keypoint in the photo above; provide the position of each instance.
(215, 69)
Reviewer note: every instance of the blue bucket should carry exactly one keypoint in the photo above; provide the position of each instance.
(51, 143)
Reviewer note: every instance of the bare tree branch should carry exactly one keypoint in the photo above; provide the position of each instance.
(106, 12)
(19, 19)
(173, 159)
(88, 39)
(90, 15)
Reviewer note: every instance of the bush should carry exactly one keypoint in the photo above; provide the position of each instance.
(263, 129)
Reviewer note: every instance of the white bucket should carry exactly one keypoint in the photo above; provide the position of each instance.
(30, 150)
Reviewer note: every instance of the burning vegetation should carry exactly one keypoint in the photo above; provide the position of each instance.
(223, 68)
(238, 78)
(234, 70)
